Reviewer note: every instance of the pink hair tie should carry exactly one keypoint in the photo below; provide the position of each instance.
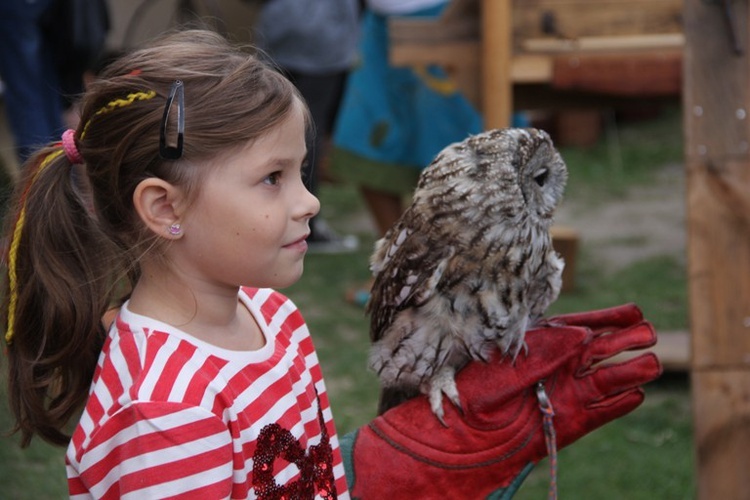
(69, 145)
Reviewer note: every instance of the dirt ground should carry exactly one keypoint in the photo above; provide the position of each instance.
(646, 222)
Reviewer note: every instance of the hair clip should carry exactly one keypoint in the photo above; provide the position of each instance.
(173, 152)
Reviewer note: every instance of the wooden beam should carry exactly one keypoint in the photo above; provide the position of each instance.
(497, 88)
(650, 73)
(722, 432)
(719, 265)
(716, 97)
(408, 29)
(467, 54)
(619, 44)
(717, 128)
(531, 69)
(444, 53)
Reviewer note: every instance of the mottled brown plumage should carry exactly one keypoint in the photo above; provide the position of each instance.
(468, 266)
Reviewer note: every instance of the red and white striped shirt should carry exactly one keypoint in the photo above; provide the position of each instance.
(170, 415)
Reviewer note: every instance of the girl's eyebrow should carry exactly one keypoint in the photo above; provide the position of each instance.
(284, 162)
(274, 162)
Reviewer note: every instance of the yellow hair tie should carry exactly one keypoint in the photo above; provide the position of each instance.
(120, 103)
(13, 250)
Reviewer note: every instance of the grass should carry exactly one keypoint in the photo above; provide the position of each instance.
(627, 154)
(646, 454)
(37, 472)
(658, 285)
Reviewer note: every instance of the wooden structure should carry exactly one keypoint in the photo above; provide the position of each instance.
(520, 54)
(717, 127)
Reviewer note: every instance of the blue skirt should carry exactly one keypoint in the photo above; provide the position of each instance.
(401, 116)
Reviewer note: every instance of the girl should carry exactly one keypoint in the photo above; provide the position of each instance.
(192, 152)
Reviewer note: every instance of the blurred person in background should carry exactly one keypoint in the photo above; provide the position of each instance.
(33, 104)
(46, 46)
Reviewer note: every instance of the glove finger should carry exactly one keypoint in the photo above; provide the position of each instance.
(595, 417)
(607, 382)
(603, 346)
(611, 317)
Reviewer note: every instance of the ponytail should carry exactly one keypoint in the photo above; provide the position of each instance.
(61, 277)
(57, 289)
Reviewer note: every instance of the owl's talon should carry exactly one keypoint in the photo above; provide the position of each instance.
(443, 383)
(436, 404)
(452, 394)
(442, 421)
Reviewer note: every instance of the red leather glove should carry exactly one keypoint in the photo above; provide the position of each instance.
(491, 447)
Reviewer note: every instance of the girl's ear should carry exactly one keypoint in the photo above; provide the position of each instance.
(157, 202)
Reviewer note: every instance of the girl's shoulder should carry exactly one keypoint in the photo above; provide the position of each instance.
(265, 295)
(283, 321)
(272, 304)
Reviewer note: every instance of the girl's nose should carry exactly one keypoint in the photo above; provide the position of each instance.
(310, 204)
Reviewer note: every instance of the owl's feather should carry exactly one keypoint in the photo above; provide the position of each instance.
(469, 265)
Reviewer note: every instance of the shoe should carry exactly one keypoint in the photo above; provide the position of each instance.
(323, 239)
(359, 295)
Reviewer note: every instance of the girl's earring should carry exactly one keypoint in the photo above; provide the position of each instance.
(175, 229)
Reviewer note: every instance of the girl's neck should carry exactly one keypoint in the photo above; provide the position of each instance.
(209, 313)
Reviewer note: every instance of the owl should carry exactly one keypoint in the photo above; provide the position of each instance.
(468, 267)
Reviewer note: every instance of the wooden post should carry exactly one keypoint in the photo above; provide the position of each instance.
(497, 40)
(716, 98)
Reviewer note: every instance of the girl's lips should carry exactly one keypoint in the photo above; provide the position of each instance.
(299, 245)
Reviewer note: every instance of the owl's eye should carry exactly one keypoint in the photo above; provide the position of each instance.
(541, 177)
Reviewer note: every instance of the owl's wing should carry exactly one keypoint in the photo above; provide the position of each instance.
(407, 266)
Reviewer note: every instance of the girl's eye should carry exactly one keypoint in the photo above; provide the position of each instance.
(273, 179)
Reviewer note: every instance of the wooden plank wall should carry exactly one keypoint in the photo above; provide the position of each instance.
(716, 96)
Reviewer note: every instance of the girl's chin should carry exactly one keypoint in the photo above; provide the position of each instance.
(290, 276)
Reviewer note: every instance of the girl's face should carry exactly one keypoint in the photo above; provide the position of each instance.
(249, 223)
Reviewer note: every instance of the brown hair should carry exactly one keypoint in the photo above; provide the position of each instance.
(74, 249)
